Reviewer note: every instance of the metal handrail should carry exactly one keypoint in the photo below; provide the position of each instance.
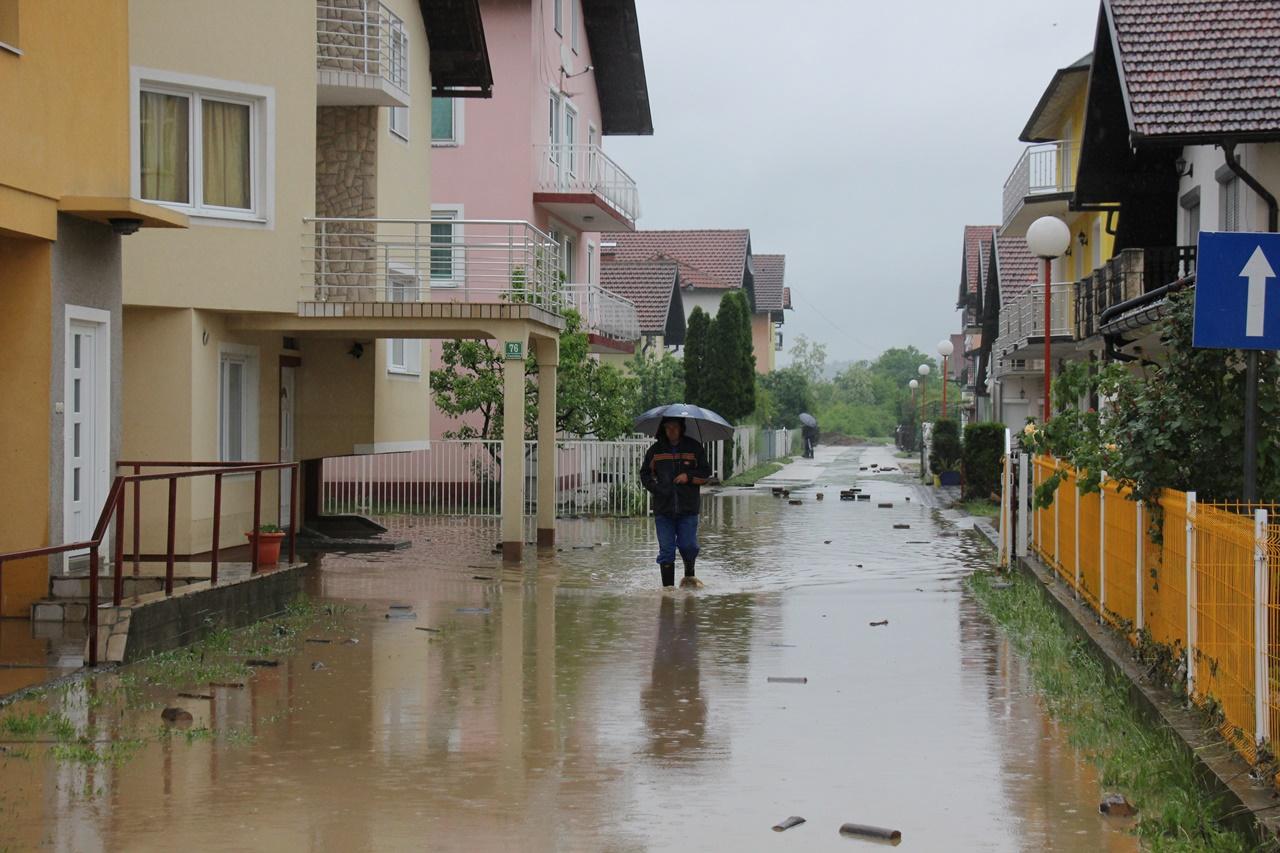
(364, 37)
(114, 507)
(603, 312)
(580, 167)
(1043, 168)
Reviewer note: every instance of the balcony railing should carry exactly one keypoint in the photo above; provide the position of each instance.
(428, 260)
(1042, 169)
(1023, 317)
(603, 313)
(359, 41)
(566, 168)
(1127, 276)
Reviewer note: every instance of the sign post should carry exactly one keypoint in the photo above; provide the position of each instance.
(1235, 273)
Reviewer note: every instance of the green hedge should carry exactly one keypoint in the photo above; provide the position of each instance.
(983, 447)
(945, 455)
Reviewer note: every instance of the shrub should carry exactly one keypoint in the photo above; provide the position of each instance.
(983, 447)
(945, 455)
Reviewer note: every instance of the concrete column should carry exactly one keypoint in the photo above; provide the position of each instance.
(548, 358)
(513, 454)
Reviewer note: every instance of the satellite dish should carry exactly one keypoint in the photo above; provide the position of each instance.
(566, 58)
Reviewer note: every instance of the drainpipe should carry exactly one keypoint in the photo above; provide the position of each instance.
(1251, 365)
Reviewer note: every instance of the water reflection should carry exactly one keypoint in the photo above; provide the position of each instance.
(675, 712)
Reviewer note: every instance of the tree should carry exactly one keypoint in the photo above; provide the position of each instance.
(790, 392)
(730, 365)
(591, 398)
(696, 341)
(659, 380)
(809, 357)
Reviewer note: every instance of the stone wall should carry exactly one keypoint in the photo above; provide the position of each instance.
(346, 186)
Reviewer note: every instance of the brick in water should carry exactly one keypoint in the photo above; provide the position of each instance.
(176, 716)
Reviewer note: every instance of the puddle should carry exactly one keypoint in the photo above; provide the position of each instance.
(569, 705)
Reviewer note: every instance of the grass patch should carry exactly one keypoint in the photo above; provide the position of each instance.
(1147, 765)
(904, 454)
(34, 724)
(979, 507)
(751, 476)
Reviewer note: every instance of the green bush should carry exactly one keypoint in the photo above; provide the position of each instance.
(983, 447)
(945, 455)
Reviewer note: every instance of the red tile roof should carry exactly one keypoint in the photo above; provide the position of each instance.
(977, 243)
(1016, 267)
(786, 298)
(648, 285)
(768, 273)
(707, 258)
(1199, 66)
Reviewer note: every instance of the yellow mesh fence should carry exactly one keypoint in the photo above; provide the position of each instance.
(1120, 550)
(1224, 614)
(1065, 498)
(1271, 678)
(1043, 468)
(1165, 596)
(1088, 536)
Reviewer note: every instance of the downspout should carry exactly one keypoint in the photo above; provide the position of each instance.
(1250, 489)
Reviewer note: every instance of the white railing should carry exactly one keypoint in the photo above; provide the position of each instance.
(1023, 317)
(362, 37)
(564, 168)
(1043, 168)
(751, 447)
(464, 477)
(425, 260)
(604, 313)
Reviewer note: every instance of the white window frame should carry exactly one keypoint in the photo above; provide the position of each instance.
(458, 276)
(261, 103)
(591, 262)
(570, 115)
(567, 246)
(401, 131)
(557, 16)
(248, 357)
(459, 134)
(409, 362)
(1229, 212)
(573, 25)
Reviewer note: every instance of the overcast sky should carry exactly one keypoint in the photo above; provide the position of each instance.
(858, 138)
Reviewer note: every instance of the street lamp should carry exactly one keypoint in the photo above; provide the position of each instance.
(945, 348)
(1047, 238)
(923, 370)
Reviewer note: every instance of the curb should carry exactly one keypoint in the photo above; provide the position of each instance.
(1219, 768)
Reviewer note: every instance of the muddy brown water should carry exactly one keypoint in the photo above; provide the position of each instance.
(570, 706)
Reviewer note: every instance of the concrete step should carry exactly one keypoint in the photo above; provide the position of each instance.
(77, 587)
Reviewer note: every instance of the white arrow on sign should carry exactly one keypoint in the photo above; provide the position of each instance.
(1257, 270)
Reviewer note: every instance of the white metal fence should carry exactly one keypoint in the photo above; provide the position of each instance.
(362, 37)
(604, 313)
(751, 447)
(565, 168)
(1042, 168)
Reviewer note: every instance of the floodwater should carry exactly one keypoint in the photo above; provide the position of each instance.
(571, 706)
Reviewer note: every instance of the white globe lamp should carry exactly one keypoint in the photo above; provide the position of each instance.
(1048, 238)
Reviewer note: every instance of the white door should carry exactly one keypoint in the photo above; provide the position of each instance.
(288, 405)
(86, 427)
(1015, 414)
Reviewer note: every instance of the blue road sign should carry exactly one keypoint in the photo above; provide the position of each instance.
(1237, 291)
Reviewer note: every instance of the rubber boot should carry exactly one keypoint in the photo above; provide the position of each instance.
(668, 573)
(689, 581)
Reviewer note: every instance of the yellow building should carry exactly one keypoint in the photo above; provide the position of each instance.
(65, 204)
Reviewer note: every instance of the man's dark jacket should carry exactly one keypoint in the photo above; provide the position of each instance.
(663, 463)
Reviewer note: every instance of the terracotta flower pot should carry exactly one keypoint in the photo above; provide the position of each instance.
(268, 545)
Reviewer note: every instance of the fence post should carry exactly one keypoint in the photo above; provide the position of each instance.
(1075, 552)
(1261, 632)
(1139, 572)
(1102, 546)
(1191, 592)
(1057, 528)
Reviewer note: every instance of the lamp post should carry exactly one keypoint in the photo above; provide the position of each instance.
(1047, 238)
(915, 412)
(923, 370)
(945, 348)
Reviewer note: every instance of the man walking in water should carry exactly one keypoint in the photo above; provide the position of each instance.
(674, 470)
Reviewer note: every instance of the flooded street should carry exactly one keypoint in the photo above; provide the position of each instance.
(572, 706)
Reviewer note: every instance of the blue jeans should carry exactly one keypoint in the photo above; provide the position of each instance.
(676, 532)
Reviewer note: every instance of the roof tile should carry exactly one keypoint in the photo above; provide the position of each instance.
(707, 258)
(769, 272)
(648, 286)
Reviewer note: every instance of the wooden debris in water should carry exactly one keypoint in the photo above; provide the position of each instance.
(880, 623)
(783, 826)
(261, 662)
(859, 830)
(787, 679)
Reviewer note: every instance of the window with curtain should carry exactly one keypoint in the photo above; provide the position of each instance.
(225, 154)
(442, 123)
(443, 252)
(164, 144)
(198, 149)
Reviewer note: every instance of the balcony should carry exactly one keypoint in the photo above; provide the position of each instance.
(1040, 185)
(1127, 276)
(582, 186)
(1022, 322)
(610, 321)
(362, 55)
(421, 267)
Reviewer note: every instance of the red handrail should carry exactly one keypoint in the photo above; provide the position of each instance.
(114, 507)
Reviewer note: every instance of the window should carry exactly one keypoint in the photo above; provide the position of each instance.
(238, 404)
(398, 121)
(1190, 203)
(9, 25)
(198, 150)
(591, 263)
(558, 14)
(553, 119)
(445, 128)
(404, 355)
(1230, 195)
(566, 257)
(573, 25)
(446, 251)
(570, 135)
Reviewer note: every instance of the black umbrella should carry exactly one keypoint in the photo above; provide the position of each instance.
(808, 419)
(699, 423)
